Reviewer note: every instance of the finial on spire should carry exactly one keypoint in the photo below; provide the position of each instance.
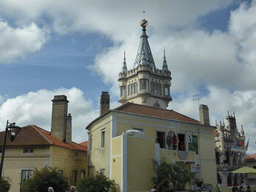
(242, 130)
(144, 22)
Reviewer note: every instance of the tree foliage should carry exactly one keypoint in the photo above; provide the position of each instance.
(96, 183)
(5, 184)
(44, 178)
(170, 176)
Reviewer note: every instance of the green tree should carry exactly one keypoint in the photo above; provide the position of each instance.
(5, 184)
(96, 183)
(170, 176)
(44, 178)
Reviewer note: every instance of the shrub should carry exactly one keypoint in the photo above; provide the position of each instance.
(5, 184)
(170, 175)
(96, 183)
(44, 178)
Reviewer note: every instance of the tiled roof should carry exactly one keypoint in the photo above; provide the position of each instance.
(85, 144)
(251, 158)
(34, 135)
(144, 53)
(154, 112)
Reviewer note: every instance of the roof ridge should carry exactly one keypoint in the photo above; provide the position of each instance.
(184, 115)
(154, 108)
(129, 103)
(41, 133)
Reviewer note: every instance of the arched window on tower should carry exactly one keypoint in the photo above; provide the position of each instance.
(135, 88)
(160, 89)
(166, 90)
(122, 91)
(156, 89)
(143, 84)
(129, 89)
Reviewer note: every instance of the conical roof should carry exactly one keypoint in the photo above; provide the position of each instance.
(144, 55)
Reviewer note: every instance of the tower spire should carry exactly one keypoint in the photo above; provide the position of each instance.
(144, 55)
(165, 67)
(124, 68)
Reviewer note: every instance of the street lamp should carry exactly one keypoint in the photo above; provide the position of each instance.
(12, 131)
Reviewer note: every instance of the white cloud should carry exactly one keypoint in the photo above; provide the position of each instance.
(36, 108)
(16, 43)
(195, 57)
(110, 17)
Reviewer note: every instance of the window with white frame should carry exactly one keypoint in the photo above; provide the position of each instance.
(82, 174)
(103, 135)
(160, 138)
(25, 174)
(181, 142)
(102, 171)
(28, 150)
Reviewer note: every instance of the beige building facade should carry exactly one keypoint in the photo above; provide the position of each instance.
(124, 141)
(35, 147)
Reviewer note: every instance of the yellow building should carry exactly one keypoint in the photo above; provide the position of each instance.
(124, 141)
(123, 144)
(35, 147)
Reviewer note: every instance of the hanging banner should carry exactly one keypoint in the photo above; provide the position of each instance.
(193, 143)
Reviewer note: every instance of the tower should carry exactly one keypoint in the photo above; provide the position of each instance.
(59, 117)
(145, 84)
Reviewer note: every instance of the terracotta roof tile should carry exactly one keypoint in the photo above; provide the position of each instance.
(155, 112)
(27, 135)
(85, 144)
(251, 158)
(33, 135)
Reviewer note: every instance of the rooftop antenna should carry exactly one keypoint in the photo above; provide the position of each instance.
(196, 97)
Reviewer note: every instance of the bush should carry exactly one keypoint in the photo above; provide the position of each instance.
(96, 183)
(44, 178)
(5, 184)
(170, 175)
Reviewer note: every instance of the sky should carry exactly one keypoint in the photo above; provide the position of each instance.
(76, 48)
